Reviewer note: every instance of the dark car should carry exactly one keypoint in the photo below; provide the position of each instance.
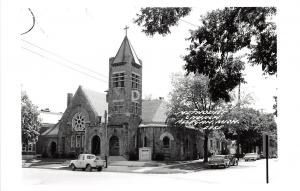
(219, 160)
(233, 160)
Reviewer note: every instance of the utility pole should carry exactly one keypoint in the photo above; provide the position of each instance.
(106, 142)
(267, 159)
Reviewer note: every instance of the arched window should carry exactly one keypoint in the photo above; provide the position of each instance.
(166, 142)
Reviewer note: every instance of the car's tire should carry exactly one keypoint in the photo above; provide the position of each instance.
(88, 168)
(73, 167)
(99, 168)
(236, 163)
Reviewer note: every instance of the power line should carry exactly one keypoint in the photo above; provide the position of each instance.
(189, 23)
(65, 59)
(62, 64)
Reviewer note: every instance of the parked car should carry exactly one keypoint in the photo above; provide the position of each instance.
(251, 157)
(87, 162)
(261, 155)
(219, 160)
(233, 160)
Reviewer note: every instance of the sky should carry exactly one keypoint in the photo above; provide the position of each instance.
(64, 38)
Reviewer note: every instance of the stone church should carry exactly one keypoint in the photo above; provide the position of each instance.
(120, 123)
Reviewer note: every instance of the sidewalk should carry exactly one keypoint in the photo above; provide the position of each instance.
(65, 162)
(42, 162)
(148, 163)
(146, 167)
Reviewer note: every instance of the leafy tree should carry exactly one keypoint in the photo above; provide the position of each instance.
(252, 125)
(214, 44)
(190, 93)
(275, 106)
(30, 122)
(159, 20)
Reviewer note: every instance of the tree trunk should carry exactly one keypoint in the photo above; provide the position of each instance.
(205, 145)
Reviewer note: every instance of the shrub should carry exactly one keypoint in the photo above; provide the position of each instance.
(133, 156)
(159, 157)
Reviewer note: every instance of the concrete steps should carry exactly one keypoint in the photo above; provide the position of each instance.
(116, 158)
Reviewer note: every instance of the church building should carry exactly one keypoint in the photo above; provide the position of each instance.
(119, 123)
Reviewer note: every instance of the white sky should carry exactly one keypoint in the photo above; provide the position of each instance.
(89, 37)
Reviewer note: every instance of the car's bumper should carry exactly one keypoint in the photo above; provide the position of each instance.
(247, 159)
(99, 165)
(217, 164)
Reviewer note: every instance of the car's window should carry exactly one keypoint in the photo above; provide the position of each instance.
(90, 157)
(251, 154)
(217, 157)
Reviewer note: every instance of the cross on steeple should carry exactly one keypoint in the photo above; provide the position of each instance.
(126, 28)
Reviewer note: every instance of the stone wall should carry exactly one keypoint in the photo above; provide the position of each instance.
(43, 146)
(185, 144)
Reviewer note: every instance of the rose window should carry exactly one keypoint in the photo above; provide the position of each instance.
(78, 122)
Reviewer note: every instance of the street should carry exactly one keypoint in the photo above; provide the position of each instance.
(245, 172)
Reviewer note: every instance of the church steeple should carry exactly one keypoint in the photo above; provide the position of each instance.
(125, 96)
(126, 53)
(125, 83)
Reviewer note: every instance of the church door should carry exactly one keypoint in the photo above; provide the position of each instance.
(96, 145)
(114, 146)
(52, 149)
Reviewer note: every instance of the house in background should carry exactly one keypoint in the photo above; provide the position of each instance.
(217, 144)
(48, 119)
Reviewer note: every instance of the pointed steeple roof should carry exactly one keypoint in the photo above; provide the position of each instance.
(126, 53)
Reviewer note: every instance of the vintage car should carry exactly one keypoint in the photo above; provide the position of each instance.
(233, 160)
(87, 162)
(219, 160)
(251, 157)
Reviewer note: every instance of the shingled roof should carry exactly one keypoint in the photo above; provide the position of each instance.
(154, 112)
(126, 53)
(52, 131)
(97, 100)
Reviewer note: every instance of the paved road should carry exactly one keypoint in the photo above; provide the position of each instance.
(246, 172)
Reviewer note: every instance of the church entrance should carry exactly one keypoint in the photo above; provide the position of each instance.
(96, 145)
(114, 146)
(52, 148)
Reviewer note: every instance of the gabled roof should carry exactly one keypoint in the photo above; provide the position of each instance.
(53, 131)
(96, 100)
(154, 112)
(126, 53)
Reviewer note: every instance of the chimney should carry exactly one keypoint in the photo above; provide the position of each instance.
(69, 98)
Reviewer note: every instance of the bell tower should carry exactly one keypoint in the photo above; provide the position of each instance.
(125, 95)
